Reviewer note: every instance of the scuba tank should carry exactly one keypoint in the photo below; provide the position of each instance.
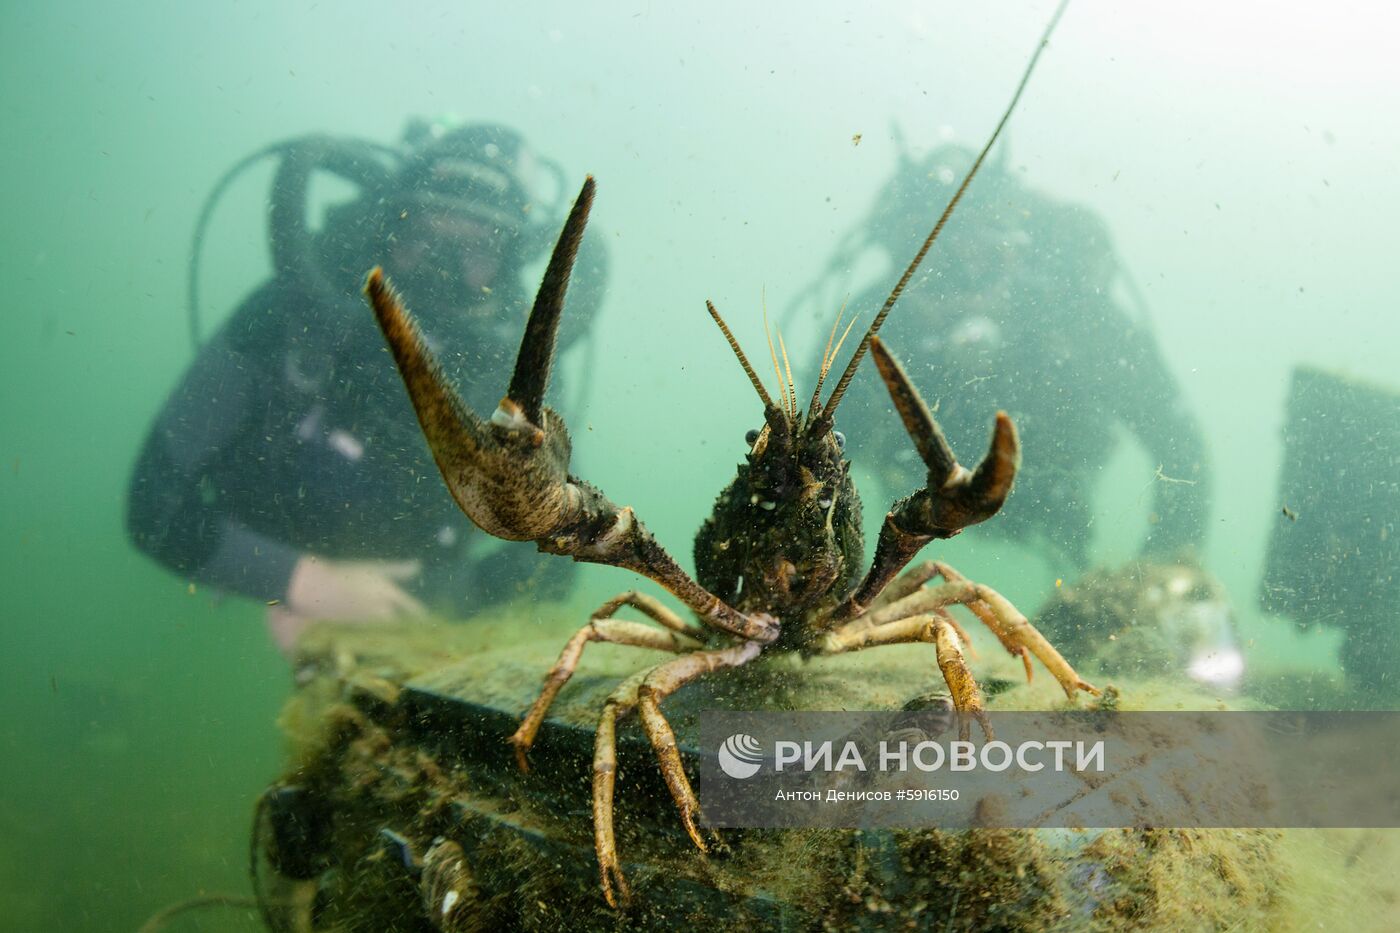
(479, 170)
(368, 166)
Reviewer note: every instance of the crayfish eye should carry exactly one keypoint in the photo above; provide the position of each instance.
(840, 440)
(751, 436)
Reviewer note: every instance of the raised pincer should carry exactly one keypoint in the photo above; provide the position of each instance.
(509, 474)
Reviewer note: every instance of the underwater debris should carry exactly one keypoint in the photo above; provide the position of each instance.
(449, 893)
(1150, 619)
(166, 915)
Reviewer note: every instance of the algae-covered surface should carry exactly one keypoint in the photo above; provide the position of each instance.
(373, 739)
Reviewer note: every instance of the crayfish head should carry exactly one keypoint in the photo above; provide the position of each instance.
(785, 536)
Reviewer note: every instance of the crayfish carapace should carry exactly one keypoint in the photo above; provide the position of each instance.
(776, 563)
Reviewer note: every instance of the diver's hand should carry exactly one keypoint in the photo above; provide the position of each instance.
(351, 591)
(359, 590)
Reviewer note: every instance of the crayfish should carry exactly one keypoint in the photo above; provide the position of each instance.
(776, 563)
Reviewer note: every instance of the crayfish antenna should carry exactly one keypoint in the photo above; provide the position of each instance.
(836, 394)
(739, 354)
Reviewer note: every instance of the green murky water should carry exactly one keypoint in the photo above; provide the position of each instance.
(1241, 158)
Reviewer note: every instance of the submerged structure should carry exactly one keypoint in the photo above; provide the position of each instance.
(1334, 553)
(404, 810)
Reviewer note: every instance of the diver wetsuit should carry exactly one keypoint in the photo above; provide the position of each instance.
(1015, 309)
(1068, 387)
(292, 434)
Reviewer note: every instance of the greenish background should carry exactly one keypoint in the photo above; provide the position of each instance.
(1243, 154)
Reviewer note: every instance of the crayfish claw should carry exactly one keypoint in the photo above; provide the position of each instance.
(928, 437)
(511, 416)
(954, 497)
(509, 474)
(986, 490)
(536, 357)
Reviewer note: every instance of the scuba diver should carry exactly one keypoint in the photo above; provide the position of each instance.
(288, 465)
(1017, 311)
